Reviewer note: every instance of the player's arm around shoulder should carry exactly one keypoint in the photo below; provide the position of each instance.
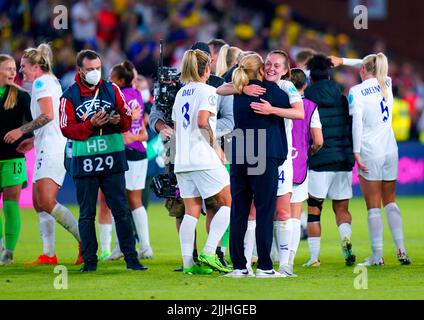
(296, 101)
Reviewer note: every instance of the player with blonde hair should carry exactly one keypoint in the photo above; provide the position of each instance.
(49, 171)
(199, 161)
(376, 153)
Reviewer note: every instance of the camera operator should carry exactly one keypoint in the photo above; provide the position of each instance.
(225, 125)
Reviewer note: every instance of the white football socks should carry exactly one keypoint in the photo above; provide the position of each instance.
(142, 226)
(295, 239)
(394, 219)
(66, 219)
(375, 227)
(283, 230)
(249, 242)
(314, 244)
(105, 230)
(187, 230)
(47, 230)
(304, 220)
(345, 230)
(219, 225)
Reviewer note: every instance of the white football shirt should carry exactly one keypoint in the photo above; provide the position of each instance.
(294, 96)
(193, 152)
(372, 117)
(315, 120)
(49, 138)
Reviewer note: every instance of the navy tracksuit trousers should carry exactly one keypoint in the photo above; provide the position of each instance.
(245, 188)
(113, 187)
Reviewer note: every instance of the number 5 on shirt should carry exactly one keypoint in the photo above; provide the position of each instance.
(384, 109)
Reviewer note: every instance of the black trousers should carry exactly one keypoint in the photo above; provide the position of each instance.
(245, 188)
(113, 187)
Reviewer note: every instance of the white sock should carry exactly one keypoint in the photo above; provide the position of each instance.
(295, 239)
(142, 226)
(219, 225)
(314, 244)
(275, 253)
(283, 230)
(187, 229)
(255, 249)
(47, 229)
(117, 247)
(375, 227)
(105, 230)
(304, 220)
(223, 250)
(249, 242)
(395, 223)
(345, 230)
(66, 219)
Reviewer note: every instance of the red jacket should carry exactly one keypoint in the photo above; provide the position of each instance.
(75, 130)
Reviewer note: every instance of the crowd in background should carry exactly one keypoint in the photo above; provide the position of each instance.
(120, 29)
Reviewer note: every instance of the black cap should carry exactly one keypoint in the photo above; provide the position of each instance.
(201, 46)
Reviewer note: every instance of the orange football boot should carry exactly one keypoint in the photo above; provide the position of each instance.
(42, 259)
(79, 258)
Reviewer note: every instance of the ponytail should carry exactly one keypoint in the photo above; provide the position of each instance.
(240, 79)
(381, 71)
(124, 71)
(227, 57)
(194, 65)
(377, 65)
(42, 56)
(47, 54)
(221, 61)
(248, 69)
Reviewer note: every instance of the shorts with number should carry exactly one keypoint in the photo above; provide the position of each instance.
(13, 173)
(381, 169)
(300, 191)
(204, 183)
(50, 166)
(334, 185)
(135, 176)
(285, 178)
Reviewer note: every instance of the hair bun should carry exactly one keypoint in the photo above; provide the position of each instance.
(128, 65)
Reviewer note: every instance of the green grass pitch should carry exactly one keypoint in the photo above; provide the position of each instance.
(333, 280)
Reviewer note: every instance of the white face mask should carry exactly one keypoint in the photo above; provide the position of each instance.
(145, 95)
(93, 77)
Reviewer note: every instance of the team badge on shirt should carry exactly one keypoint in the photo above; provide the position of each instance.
(38, 84)
(212, 100)
(292, 90)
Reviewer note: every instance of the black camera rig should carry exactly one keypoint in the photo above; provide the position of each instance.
(165, 186)
(166, 87)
